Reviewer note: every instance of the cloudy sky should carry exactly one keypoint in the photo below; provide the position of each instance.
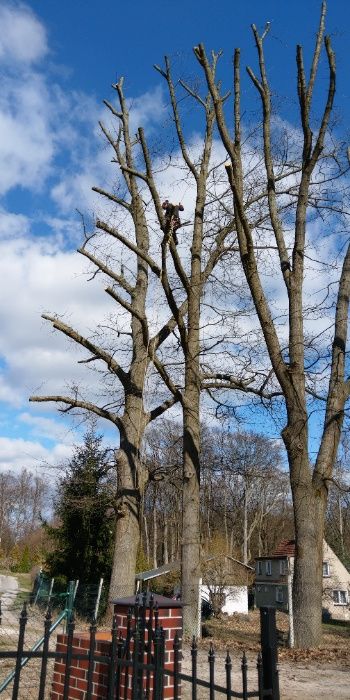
(57, 61)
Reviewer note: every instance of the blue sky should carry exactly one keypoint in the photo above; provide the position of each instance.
(57, 62)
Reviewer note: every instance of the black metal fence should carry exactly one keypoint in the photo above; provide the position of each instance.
(136, 666)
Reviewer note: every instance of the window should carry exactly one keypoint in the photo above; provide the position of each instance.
(279, 594)
(259, 568)
(268, 568)
(340, 597)
(325, 569)
(283, 567)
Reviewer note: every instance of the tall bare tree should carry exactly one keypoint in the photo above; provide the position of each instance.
(180, 287)
(295, 353)
(124, 364)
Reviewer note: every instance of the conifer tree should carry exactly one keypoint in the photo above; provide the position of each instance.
(83, 539)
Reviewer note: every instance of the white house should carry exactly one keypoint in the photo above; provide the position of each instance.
(274, 577)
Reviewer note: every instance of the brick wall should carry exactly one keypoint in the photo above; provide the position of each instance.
(170, 619)
(79, 668)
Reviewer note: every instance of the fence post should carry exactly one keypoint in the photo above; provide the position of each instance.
(22, 626)
(69, 603)
(269, 652)
(47, 630)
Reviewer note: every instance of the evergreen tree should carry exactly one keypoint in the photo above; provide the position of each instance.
(83, 539)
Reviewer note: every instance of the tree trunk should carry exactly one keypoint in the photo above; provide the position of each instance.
(309, 505)
(155, 535)
(131, 485)
(191, 569)
(341, 525)
(245, 526)
(146, 538)
(225, 525)
(165, 541)
(309, 513)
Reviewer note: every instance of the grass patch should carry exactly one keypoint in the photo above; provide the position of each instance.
(24, 581)
(337, 628)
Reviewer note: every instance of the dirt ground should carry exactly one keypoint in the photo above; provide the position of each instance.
(321, 674)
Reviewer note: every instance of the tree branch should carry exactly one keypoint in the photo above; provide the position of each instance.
(77, 403)
(156, 412)
(167, 75)
(95, 350)
(134, 248)
(120, 279)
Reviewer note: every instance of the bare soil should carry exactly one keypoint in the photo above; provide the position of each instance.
(308, 674)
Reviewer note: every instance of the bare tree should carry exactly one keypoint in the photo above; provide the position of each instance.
(23, 499)
(180, 288)
(124, 378)
(291, 354)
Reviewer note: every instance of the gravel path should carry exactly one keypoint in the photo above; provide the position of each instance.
(8, 593)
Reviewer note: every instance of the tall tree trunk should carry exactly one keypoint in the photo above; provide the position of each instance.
(309, 513)
(131, 485)
(190, 560)
(146, 538)
(165, 541)
(309, 506)
(155, 535)
(245, 526)
(227, 545)
(191, 569)
(341, 525)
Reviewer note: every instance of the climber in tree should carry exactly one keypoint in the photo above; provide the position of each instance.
(172, 218)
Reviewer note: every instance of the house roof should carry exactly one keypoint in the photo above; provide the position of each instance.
(153, 573)
(286, 548)
(175, 565)
(228, 556)
(145, 598)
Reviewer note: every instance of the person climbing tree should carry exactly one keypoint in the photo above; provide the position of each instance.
(172, 218)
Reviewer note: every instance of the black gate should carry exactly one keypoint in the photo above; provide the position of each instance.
(135, 667)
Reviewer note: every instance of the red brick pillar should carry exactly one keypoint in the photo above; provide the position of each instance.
(169, 615)
(79, 667)
(166, 611)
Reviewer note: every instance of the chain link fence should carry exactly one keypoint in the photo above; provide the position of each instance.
(87, 601)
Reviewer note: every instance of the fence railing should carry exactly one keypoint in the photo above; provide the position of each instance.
(135, 666)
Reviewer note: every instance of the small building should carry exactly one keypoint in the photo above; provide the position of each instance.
(224, 584)
(274, 579)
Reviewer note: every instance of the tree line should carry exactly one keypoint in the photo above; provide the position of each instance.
(246, 506)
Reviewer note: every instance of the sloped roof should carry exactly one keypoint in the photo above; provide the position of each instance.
(175, 565)
(212, 557)
(286, 548)
(153, 573)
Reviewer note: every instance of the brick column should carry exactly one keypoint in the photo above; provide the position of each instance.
(169, 613)
(79, 668)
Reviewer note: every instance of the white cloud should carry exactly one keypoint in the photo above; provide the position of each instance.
(147, 110)
(17, 454)
(13, 225)
(36, 276)
(26, 137)
(41, 426)
(23, 37)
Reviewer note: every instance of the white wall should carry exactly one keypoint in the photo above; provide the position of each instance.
(236, 599)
